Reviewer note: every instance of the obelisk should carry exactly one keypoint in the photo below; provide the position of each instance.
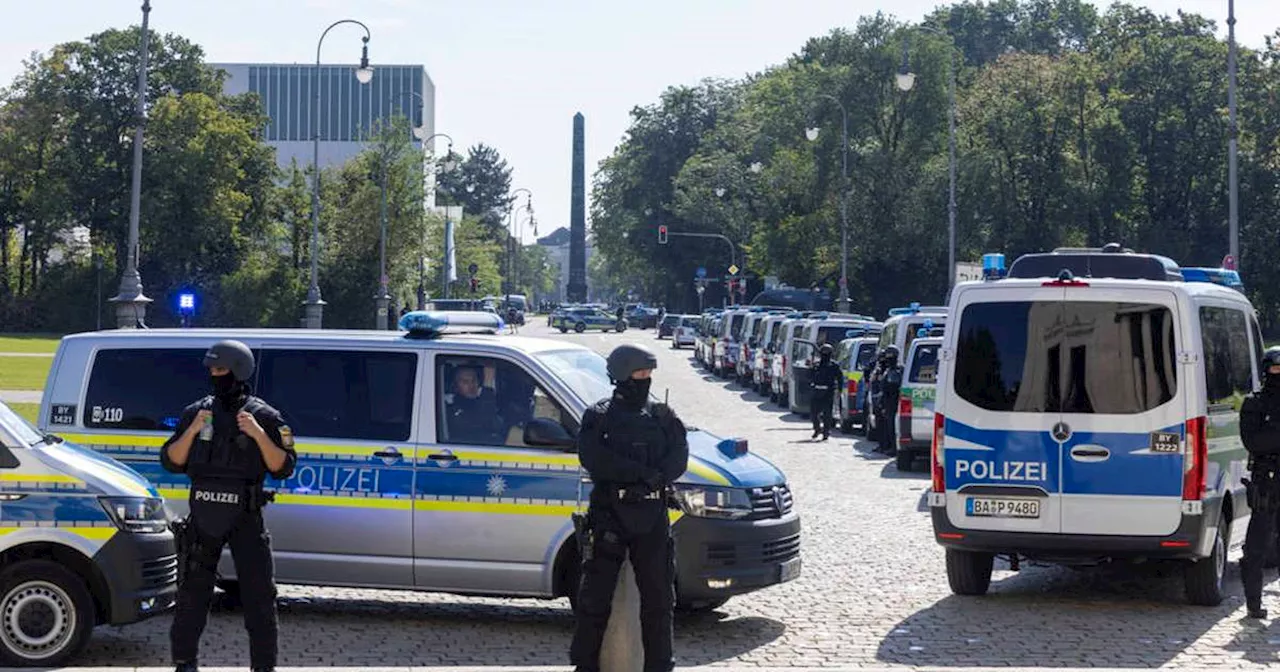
(577, 289)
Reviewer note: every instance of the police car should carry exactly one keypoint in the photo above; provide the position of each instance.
(394, 486)
(582, 319)
(1088, 412)
(84, 541)
(916, 400)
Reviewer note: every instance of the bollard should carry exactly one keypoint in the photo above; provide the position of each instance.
(623, 650)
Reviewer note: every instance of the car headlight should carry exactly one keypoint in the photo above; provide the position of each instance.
(136, 514)
(709, 502)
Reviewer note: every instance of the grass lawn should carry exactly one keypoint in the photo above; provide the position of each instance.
(24, 373)
(28, 411)
(29, 343)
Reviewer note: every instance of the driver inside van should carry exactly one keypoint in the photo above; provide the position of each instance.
(472, 408)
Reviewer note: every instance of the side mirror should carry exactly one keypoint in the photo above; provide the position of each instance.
(544, 432)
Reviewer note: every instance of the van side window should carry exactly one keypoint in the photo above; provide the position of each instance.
(342, 394)
(1228, 366)
(143, 389)
(888, 335)
(924, 366)
(487, 401)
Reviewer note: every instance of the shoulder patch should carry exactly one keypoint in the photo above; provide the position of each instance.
(286, 436)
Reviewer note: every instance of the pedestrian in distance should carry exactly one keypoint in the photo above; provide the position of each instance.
(827, 377)
(1260, 433)
(633, 448)
(227, 443)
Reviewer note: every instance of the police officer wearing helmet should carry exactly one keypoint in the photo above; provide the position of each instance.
(1260, 432)
(633, 449)
(227, 443)
(887, 384)
(826, 380)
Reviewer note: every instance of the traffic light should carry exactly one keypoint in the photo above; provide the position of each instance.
(662, 234)
(475, 284)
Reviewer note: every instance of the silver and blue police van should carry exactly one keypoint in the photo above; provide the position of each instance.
(1087, 412)
(393, 489)
(84, 541)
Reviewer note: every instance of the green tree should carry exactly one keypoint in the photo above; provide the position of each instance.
(481, 184)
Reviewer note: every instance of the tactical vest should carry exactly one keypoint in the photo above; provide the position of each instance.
(638, 436)
(226, 469)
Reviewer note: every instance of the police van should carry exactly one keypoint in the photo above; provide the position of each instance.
(1088, 412)
(822, 328)
(900, 328)
(853, 355)
(84, 541)
(780, 364)
(393, 488)
(916, 401)
(769, 332)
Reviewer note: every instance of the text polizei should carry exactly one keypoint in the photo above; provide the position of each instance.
(992, 470)
(217, 497)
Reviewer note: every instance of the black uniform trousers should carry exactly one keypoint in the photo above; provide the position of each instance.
(250, 545)
(820, 410)
(1259, 546)
(652, 556)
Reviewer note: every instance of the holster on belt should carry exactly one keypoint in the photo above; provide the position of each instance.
(585, 535)
(184, 538)
(1262, 490)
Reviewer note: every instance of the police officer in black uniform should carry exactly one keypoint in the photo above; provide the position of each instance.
(226, 443)
(1260, 432)
(827, 377)
(633, 449)
(888, 384)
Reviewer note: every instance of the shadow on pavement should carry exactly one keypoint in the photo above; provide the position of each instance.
(405, 633)
(1057, 617)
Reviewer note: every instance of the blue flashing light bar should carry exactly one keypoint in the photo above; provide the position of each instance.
(432, 323)
(187, 301)
(916, 308)
(1217, 276)
(993, 267)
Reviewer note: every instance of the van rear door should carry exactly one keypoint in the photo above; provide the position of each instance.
(1002, 464)
(1123, 412)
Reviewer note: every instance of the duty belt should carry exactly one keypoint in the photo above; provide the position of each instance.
(821, 387)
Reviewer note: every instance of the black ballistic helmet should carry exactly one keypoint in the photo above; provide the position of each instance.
(627, 359)
(1271, 358)
(891, 353)
(826, 349)
(233, 355)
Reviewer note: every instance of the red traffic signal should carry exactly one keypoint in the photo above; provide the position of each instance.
(662, 234)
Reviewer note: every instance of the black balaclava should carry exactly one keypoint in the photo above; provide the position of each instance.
(226, 389)
(1270, 382)
(632, 392)
(824, 357)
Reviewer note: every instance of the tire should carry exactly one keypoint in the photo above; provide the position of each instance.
(969, 572)
(563, 330)
(41, 588)
(905, 459)
(619, 327)
(1203, 578)
(580, 327)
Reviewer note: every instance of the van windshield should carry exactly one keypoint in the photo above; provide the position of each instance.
(583, 371)
(1066, 357)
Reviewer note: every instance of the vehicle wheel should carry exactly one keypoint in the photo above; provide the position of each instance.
(906, 459)
(563, 330)
(46, 614)
(1203, 578)
(968, 572)
(619, 327)
(846, 425)
(579, 327)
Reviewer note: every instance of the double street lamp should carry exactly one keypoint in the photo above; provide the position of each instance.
(131, 303)
(905, 80)
(364, 75)
(449, 165)
(512, 229)
(812, 134)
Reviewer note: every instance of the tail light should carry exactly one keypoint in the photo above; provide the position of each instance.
(935, 453)
(1195, 458)
(904, 405)
(852, 388)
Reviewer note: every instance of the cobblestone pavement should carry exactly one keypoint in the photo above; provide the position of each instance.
(873, 594)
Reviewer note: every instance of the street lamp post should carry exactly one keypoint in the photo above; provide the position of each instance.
(511, 226)
(131, 303)
(449, 165)
(906, 80)
(812, 134)
(364, 75)
(1233, 205)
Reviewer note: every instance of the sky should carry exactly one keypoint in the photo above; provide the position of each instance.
(512, 73)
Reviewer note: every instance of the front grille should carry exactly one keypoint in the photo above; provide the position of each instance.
(765, 505)
(748, 555)
(160, 572)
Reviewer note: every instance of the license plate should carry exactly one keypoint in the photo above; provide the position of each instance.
(789, 570)
(991, 507)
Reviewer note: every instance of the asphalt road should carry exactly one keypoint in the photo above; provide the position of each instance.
(873, 593)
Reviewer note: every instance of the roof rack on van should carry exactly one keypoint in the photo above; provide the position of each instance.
(430, 324)
(1109, 261)
(915, 308)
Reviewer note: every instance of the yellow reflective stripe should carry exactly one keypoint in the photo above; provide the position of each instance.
(116, 439)
(355, 502)
(88, 532)
(477, 456)
(497, 507)
(39, 478)
(699, 469)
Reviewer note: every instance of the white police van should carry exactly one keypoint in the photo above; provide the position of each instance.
(1087, 412)
(916, 400)
(84, 541)
(394, 487)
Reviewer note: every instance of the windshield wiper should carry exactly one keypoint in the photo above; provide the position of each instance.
(50, 439)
